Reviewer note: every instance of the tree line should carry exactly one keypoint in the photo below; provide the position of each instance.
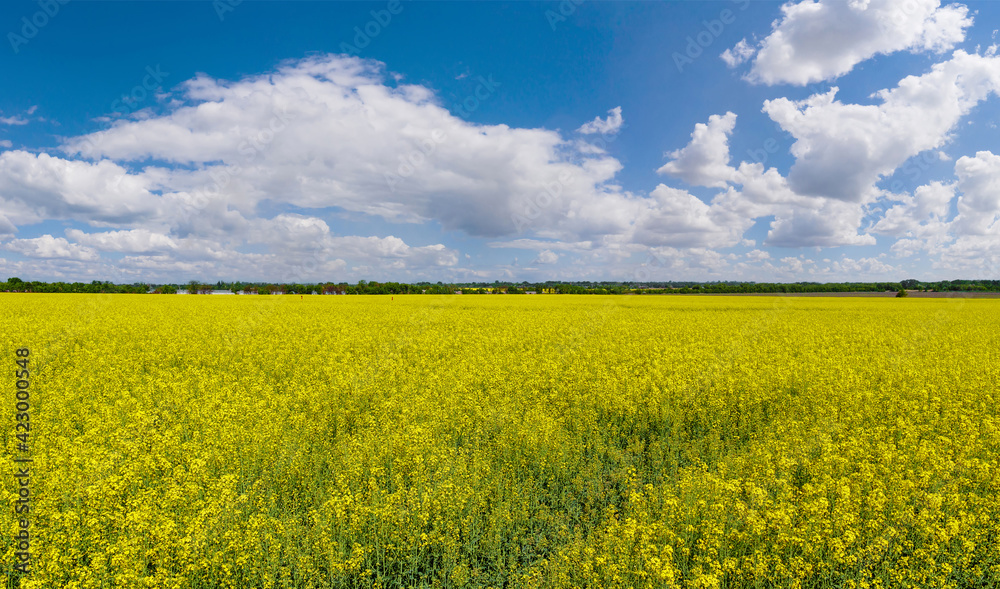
(550, 287)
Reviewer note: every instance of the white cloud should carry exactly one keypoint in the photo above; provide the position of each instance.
(295, 232)
(6, 143)
(328, 132)
(7, 229)
(665, 262)
(546, 257)
(299, 236)
(818, 40)
(393, 251)
(830, 223)
(130, 241)
(841, 150)
(967, 243)
(38, 187)
(905, 247)
(741, 52)
(791, 264)
(861, 267)
(676, 218)
(705, 160)
(607, 126)
(979, 204)
(20, 119)
(47, 246)
(537, 244)
(800, 220)
(928, 205)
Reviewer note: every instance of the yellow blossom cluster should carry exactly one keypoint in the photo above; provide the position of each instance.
(546, 441)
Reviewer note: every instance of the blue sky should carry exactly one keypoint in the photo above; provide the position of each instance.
(577, 140)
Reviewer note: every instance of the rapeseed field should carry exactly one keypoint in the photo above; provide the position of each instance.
(505, 441)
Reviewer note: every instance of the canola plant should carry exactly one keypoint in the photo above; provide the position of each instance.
(502, 441)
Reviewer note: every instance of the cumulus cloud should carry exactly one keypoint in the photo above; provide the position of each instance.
(546, 257)
(676, 218)
(7, 228)
(300, 236)
(37, 187)
(966, 243)
(330, 131)
(22, 119)
(6, 143)
(537, 244)
(130, 241)
(928, 206)
(740, 53)
(47, 246)
(861, 267)
(609, 125)
(830, 223)
(705, 160)
(979, 204)
(752, 192)
(841, 150)
(183, 192)
(319, 133)
(816, 40)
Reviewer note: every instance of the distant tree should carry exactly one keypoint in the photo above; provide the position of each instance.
(901, 293)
